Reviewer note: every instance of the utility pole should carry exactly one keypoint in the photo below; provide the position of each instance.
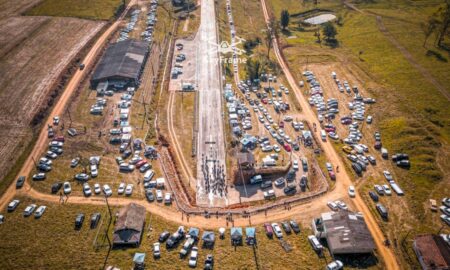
(107, 232)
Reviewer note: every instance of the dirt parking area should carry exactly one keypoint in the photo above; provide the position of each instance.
(33, 53)
(187, 68)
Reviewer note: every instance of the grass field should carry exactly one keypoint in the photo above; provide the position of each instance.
(54, 238)
(87, 9)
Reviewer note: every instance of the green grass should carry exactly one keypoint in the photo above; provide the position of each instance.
(86, 9)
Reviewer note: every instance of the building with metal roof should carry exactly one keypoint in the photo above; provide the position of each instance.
(345, 232)
(236, 236)
(432, 252)
(121, 65)
(129, 226)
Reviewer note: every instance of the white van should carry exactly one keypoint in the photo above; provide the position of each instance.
(315, 243)
(160, 183)
(148, 175)
(323, 135)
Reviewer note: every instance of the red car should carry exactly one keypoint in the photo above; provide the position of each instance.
(141, 163)
(59, 138)
(330, 129)
(377, 145)
(281, 124)
(269, 230)
(332, 175)
(287, 147)
(264, 100)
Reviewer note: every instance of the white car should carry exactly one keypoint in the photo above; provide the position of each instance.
(386, 190)
(329, 166)
(121, 189)
(333, 206)
(67, 188)
(129, 190)
(279, 182)
(97, 188)
(40, 211)
(107, 190)
(351, 191)
(94, 171)
(56, 120)
(29, 210)
(269, 194)
(335, 265)
(277, 230)
(87, 190)
(193, 258)
(276, 148)
(388, 175)
(157, 250)
(295, 165)
(159, 195)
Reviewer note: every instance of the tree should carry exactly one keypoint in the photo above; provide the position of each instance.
(439, 22)
(329, 31)
(272, 32)
(254, 69)
(284, 19)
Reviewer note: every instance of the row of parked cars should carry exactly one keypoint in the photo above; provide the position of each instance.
(29, 210)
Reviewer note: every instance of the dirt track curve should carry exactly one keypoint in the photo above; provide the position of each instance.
(386, 253)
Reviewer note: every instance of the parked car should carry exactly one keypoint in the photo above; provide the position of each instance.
(79, 221)
(13, 205)
(316, 245)
(386, 190)
(97, 188)
(266, 184)
(446, 219)
(268, 229)
(351, 191)
(333, 206)
(382, 211)
(163, 236)
(121, 188)
(156, 250)
(39, 176)
(129, 190)
(277, 230)
(56, 187)
(209, 262)
(81, 177)
(95, 218)
(341, 205)
(379, 189)
(336, 265)
(149, 195)
(373, 196)
(67, 188)
(20, 182)
(291, 189)
(87, 190)
(193, 258)
(269, 194)
(159, 195)
(29, 210)
(286, 227)
(294, 225)
(40, 211)
(107, 190)
(74, 162)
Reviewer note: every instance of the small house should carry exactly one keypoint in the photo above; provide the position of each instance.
(208, 239)
(236, 236)
(129, 226)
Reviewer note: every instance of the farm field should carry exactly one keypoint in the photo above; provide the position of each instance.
(411, 113)
(58, 222)
(86, 9)
(27, 87)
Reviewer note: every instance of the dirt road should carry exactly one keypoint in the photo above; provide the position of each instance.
(343, 177)
(72, 86)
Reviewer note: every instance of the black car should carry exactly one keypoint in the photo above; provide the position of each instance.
(95, 218)
(294, 226)
(291, 175)
(286, 227)
(373, 196)
(56, 150)
(149, 195)
(126, 154)
(163, 236)
(79, 221)
(56, 187)
(209, 262)
(20, 181)
(173, 240)
(290, 189)
(403, 163)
